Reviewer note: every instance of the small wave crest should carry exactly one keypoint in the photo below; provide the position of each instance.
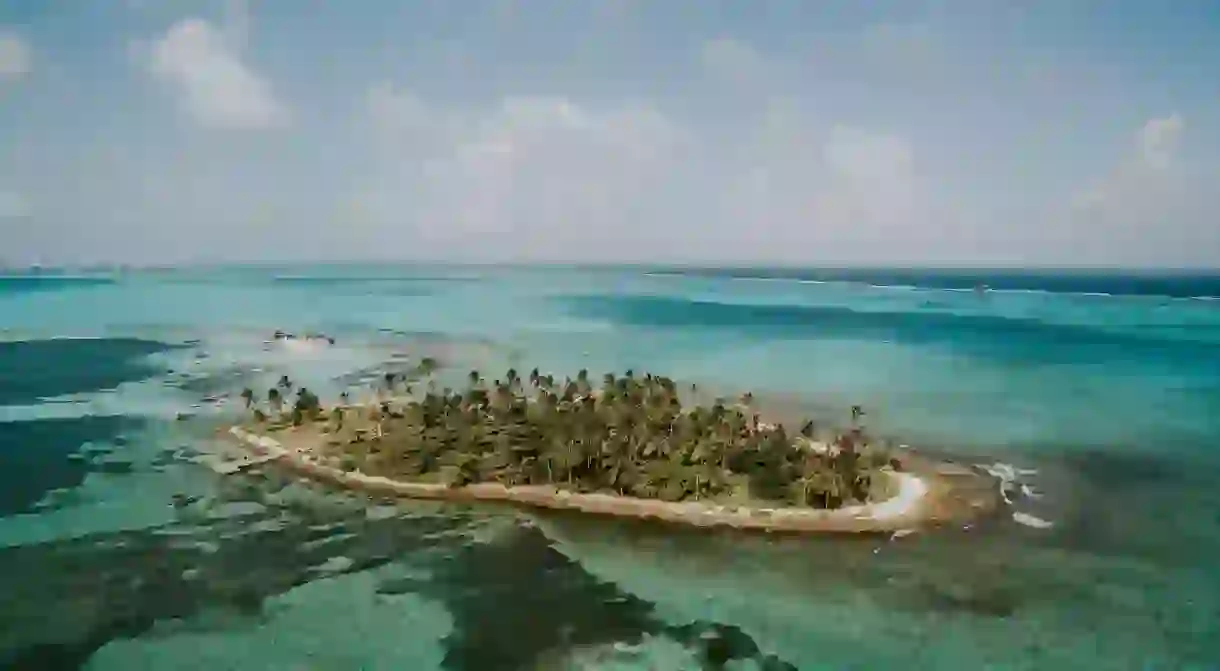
(1015, 487)
(1125, 287)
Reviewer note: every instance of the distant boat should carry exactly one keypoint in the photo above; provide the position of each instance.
(282, 336)
(981, 289)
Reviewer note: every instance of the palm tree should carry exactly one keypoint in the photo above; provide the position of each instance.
(247, 395)
(822, 486)
(307, 403)
(808, 429)
(466, 470)
(846, 443)
(377, 417)
(635, 438)
(857, 411)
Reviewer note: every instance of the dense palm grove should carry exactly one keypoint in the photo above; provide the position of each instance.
(628, 435)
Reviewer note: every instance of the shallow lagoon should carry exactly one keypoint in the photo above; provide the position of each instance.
(1113, 401)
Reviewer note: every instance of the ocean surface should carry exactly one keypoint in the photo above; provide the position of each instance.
(1096, 395)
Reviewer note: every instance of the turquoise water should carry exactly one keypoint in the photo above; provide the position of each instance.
(1102, 389)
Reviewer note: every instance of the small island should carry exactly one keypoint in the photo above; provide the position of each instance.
(626, 446)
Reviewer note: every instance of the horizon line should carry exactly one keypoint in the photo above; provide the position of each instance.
(7, 270)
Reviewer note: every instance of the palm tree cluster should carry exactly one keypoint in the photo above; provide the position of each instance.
(307, 405)
(630, 435)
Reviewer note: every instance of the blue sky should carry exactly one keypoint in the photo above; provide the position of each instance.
(162, 131)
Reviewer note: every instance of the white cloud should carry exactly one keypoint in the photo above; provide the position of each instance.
(552, 178)
(800, 187)
(1143, 178)
(1150, 206)
(214, 86)
(745, 146)
(532, 176)
(15, 59)
(803, 192)
(1159, 139)
(870, 181)
(403, 124)
(865, 157)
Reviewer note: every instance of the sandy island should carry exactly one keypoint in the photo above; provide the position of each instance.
(927, 493)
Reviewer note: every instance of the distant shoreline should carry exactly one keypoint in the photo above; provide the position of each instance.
(926, 496)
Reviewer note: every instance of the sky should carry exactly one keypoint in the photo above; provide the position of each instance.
(914, 132)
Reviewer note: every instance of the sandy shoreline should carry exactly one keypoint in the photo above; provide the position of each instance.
(924, 497)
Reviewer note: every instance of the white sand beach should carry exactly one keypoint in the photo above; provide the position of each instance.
(911, 507)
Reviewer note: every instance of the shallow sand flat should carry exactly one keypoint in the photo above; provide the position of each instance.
(924, 497)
